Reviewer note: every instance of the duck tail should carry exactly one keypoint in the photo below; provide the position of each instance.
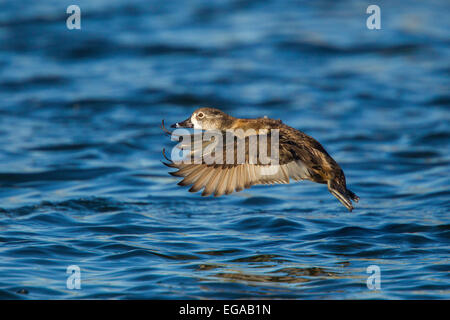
(338, 188)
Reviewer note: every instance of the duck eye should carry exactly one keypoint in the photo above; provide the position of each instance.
(200, 115)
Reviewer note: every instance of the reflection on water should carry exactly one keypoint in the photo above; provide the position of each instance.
(81, 182)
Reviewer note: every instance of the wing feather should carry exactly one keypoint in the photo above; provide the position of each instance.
(222, 183)
(211, 185)
(192, 176)
(202, 180)
(221, 179)
(240, 180)
(231, 185)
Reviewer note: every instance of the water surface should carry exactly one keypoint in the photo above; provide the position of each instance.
(81, 182)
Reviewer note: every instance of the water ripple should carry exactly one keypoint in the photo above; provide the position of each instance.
(81, 182)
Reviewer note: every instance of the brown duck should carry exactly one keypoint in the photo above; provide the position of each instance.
(300, 158)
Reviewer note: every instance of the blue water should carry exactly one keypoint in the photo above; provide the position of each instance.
(81, 182)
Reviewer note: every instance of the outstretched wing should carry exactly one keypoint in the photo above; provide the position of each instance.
(242, 169)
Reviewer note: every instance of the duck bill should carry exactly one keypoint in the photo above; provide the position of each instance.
(185, 124)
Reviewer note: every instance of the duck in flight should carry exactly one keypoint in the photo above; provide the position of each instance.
(300, 157)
